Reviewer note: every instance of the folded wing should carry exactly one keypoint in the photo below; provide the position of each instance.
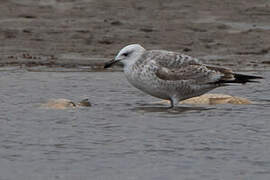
(172, 66)
(203, 74)
(198, 73)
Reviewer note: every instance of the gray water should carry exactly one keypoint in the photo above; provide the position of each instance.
(125, 137)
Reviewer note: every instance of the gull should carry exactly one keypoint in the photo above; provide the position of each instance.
(171, 75)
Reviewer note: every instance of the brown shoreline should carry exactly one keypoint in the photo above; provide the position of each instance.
(49, 33)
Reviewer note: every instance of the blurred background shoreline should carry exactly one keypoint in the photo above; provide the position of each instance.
(66, 33)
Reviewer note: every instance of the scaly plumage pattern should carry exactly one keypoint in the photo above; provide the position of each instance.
(171, 75)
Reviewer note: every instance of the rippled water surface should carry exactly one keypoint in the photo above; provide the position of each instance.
(124, 136)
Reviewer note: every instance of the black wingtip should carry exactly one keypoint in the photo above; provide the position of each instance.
(246, 76)
(241, 79)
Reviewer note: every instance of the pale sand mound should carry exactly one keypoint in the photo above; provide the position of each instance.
(64, 104)
(212, 99)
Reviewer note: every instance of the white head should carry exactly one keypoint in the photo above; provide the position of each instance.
(127, 56)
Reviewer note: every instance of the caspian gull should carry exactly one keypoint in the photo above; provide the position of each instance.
(172, 76)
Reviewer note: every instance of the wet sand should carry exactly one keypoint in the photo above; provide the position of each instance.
(75, 33)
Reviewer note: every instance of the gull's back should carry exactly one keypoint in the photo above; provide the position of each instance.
(167, 59)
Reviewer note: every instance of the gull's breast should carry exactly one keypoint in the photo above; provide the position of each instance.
(145, 79)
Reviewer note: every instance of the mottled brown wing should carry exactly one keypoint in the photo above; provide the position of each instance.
(200, 73)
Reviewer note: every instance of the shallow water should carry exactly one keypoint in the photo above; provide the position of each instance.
(124, 136)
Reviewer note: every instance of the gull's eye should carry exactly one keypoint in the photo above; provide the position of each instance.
(125, 54)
